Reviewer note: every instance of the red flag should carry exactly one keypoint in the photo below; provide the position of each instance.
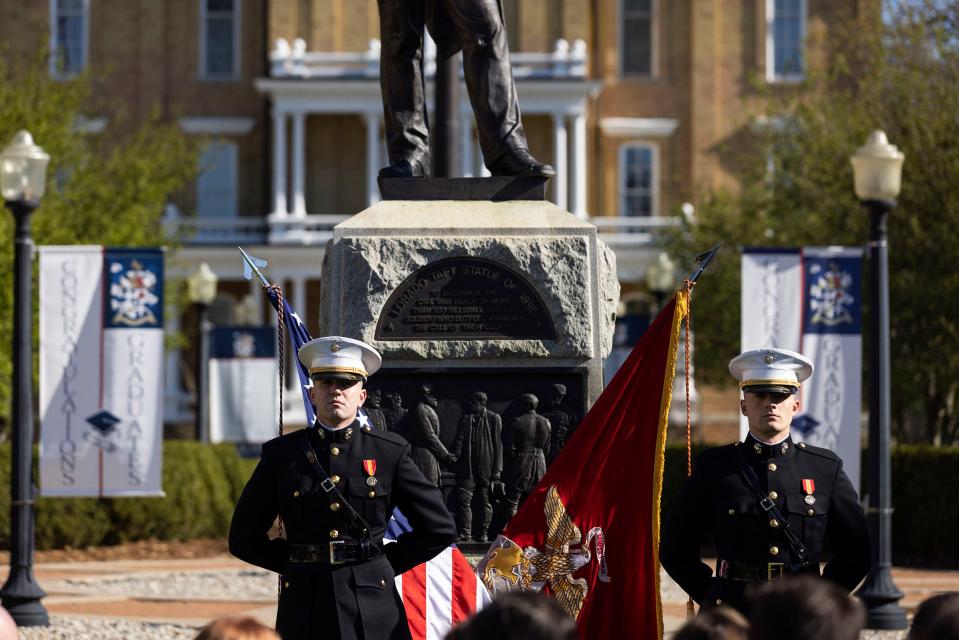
(589, 533)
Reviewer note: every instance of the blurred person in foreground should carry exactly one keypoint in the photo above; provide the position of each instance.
(805, 608)
(771, 505)
(937, 618)
(237, 628)
(720, 623)
(517, 615)
(8, 628)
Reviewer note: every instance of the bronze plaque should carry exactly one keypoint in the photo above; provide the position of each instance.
(465, 298)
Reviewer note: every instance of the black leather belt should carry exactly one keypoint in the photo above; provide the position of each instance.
(335, 552)
(761, 571)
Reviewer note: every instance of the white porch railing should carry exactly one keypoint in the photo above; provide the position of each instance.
(616, 231)
(567, 61)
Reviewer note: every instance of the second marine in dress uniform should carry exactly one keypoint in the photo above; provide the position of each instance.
(770, 505)
(334, 487)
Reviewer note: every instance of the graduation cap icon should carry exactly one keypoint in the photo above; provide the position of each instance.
(805, 424)
(104, 422)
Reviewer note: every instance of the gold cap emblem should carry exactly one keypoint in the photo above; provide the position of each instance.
(769, 358)
(336, 346)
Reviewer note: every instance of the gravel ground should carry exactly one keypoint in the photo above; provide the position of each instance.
(243, 584)
(64, 628)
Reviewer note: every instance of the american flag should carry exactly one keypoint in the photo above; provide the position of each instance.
(436, 594)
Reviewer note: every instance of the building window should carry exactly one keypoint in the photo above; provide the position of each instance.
(785, 32)
(69, 35)
(217, 184)
(219, 39)
(637, 37)
(637, 171)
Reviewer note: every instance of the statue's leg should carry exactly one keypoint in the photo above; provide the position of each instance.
(484, 497)
(489, 79)
(401, 83)
(464, 509)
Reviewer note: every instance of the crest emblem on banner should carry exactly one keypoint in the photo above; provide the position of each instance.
(830, 295)
(244, 344)
(508, 566)
(132, 294)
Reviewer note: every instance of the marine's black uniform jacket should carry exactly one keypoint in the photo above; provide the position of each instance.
(356, 599)
(718, 500)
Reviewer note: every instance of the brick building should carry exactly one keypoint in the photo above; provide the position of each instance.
(631, 101)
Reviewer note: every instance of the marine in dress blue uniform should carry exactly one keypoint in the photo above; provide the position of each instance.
(770, 505)
(334, 487)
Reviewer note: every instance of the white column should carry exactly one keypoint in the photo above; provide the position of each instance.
(279, 162)
(579, 165)
(299, 163)
(560, 160)
(466, 133)
(256, 290)
(373, 161)
(481, 169)
(298, 301)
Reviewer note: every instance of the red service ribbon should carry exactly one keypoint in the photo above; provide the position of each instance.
(369, 466)
(808, 486)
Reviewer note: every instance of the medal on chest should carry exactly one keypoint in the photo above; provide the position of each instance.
(369, 466)
(809, 488)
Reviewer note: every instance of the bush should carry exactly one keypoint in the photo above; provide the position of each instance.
(202, 483)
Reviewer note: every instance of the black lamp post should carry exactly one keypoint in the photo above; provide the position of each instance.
(23, 169)
(877, 167)
(201, 290)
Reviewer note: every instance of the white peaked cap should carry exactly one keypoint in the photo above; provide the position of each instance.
(776, 370)
(339, 358)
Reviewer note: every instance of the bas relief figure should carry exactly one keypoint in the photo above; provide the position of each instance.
(393, 409)
(479, 449)
(561, 422)
(373, 409)
(529, 435)
(423, 433)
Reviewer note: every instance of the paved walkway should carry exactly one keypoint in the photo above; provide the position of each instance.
(69, 593)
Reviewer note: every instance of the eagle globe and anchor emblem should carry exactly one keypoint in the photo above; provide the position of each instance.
(831, 295)
(507, 566)
(132, 295)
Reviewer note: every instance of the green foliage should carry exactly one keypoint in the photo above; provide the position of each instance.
(900, 75)
(107, 189)
(924, 525)
(201, 482)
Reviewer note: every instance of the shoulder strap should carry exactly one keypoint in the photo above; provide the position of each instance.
(328, 487)
(798, 548)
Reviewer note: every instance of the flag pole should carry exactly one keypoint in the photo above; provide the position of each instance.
(704, 259)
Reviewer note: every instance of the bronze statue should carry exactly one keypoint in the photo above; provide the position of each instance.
(480, 451)
(423, 426)
(560, 421)
(373, 410)
(478, 29)
(528, 441)
(393, 410)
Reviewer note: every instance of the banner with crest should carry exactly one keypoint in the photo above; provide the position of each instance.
(808, 300)
(244, 384)
(101, 371)
(831, 401)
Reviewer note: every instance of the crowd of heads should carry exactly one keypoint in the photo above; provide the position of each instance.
(805, 608)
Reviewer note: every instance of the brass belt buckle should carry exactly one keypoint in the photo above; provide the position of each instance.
(336, 551)
(774, 570)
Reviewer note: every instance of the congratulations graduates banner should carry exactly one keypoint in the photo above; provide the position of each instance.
(101, 371)
(809, 300)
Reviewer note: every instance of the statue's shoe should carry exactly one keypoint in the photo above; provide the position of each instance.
(519, 162)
